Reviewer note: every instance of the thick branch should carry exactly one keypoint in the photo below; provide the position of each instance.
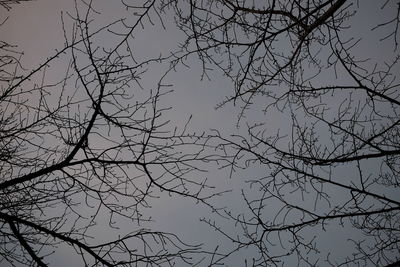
(10, 218)
(23, 242)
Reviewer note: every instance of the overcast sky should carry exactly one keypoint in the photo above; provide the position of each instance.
(37, 30)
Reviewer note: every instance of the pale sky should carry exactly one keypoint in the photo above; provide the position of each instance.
(37, 30)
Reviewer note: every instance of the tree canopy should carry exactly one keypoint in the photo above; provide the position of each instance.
(88, 146)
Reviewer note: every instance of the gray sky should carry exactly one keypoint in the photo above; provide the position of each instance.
(36, 28)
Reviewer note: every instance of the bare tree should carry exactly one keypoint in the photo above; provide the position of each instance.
(336, 161)
(7, 4)
(83, 148)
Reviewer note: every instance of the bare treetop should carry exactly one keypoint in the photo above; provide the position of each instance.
(87, 145)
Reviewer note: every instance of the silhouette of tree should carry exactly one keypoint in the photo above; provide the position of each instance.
(86, 152)
(335, 158)
(7, 4)
(85, 148)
